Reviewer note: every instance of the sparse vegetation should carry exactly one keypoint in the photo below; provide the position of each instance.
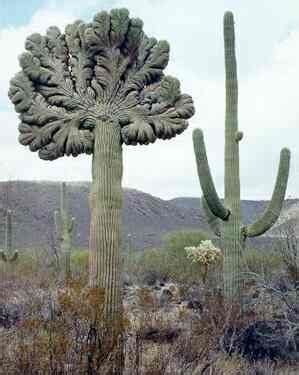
(175, 324)
(266, 262)
(170, 262)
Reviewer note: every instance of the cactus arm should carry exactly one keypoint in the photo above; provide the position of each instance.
(213, 220)
(3, 256)
(71, 224)
(205, 178)
(272, 212)
(57, 224)
(14, 256)
(8, 232)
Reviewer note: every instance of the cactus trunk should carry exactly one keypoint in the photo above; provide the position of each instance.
(105, 205)
(231, 227)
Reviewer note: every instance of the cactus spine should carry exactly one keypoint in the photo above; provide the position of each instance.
(64, 227)
(8, 255)
(225, 219)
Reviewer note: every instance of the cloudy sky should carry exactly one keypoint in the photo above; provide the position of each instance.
(268, 67)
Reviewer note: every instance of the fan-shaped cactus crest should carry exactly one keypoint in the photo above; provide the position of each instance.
(89, 90)
(106, 70)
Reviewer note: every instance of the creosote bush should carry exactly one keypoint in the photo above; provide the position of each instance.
(266, 262)
(170, 261)
(79, 262)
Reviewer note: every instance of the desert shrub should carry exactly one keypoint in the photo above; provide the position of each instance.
(68, 324)
(288, 249)
(79, 262)
(176, 241)
(151, 266)
(170, 262)
(262, 262)
(30, 263)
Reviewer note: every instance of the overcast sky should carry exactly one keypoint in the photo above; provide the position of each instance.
(267, 35)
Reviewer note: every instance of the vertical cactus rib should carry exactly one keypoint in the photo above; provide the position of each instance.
(205, 178)
(3, 256)
(232, 238)
(272, 212)
(105, 206)
(213, 221)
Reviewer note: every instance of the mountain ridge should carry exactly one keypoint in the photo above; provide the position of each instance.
(145, 218)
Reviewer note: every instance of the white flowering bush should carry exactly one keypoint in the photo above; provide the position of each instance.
(205, 254)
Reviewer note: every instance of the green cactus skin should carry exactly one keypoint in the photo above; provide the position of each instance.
(64, 226)
(233, 234)
(212, 200)
(213, 221)
(105, 206)
(8, 255)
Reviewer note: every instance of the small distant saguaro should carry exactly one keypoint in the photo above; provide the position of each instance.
(90, 90)
(64, 225)
(225, 219)
(8, 255)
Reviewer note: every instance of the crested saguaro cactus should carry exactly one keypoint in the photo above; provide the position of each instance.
(64, 226)
(225, 219)
(8, 255)
(90, 90)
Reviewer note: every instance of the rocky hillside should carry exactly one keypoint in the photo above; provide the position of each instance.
(146, 219)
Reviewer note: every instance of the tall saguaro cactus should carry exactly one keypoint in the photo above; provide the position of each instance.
(225, 219)
(90, 90)
(8, 255)
(64, 225)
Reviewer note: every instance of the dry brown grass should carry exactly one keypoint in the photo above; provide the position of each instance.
(53, 336)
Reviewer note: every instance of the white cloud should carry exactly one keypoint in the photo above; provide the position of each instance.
(12, 43)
